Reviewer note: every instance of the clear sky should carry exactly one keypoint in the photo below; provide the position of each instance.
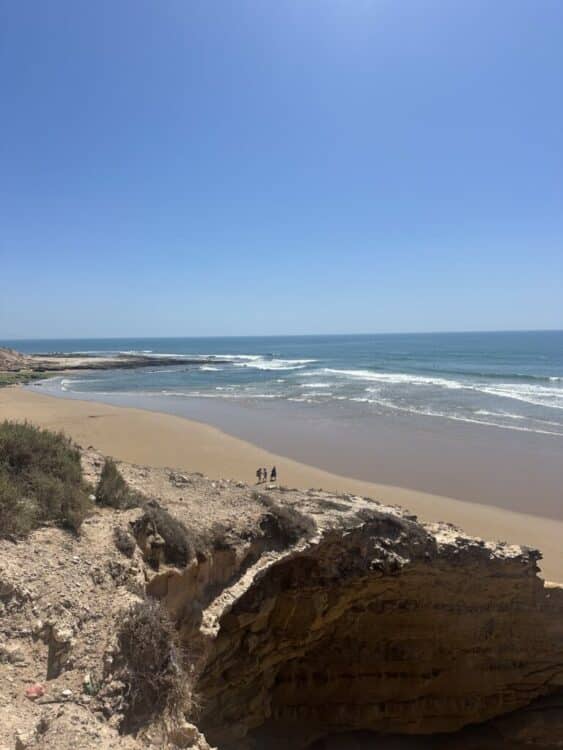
(202, 167)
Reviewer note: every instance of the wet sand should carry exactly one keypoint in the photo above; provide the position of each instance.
(157, 439)
(517, 470)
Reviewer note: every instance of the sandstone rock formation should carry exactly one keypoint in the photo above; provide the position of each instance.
(385, 625)
(310, 620)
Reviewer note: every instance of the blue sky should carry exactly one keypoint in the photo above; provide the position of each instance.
(298, 166)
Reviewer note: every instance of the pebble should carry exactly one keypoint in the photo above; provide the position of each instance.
(34, 691)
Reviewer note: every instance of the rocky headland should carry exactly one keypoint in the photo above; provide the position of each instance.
(41, 365)
(306, 619)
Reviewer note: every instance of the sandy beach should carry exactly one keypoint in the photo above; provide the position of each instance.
(159, 440)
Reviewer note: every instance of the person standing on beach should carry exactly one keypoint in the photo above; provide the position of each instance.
(259, 475)
(265, 474)
(273, 474)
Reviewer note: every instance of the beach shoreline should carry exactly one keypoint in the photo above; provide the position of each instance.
(511, 469)
(163, 440)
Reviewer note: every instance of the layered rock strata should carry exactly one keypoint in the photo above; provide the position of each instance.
(385, 625)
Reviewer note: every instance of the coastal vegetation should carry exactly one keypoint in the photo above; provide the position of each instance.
(40, 480)
(112, 489)
(16, 368)
(124, 541)
(178, 545)
(151, 665)
(21, 377)
(285, 523)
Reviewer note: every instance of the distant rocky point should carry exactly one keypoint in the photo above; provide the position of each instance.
(12, 361)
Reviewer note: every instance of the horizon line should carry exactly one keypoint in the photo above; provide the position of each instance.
(286, 335)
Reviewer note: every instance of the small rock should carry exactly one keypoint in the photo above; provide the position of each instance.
(42, 725)
(186, 735)
(62, 633)
(12, 654)
(34, 691)
(23, 741)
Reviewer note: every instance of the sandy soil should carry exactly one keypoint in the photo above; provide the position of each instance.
(163, 440)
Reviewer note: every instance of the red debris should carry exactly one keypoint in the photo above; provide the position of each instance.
(34, 691)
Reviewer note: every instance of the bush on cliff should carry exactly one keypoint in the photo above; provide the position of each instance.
(151, 665)
(124, 541)
(179, 544)
(112, 489)
(284, 524)
(40, 480)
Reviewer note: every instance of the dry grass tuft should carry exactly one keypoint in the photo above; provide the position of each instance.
(152, 666)
(124, 541)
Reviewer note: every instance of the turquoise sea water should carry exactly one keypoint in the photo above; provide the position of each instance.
(511, 380)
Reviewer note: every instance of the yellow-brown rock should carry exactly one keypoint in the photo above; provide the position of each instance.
(383, 625)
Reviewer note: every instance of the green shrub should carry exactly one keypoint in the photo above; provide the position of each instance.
(17, 514)
(40, 480)
(22, 376)
(151, 665)
(113, 490)
(284, 524)
(179, 545)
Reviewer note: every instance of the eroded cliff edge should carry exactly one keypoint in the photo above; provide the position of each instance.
(369, 620)
(386, 626)
(309, 619)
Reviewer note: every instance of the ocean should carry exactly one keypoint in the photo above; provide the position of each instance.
(508, 380)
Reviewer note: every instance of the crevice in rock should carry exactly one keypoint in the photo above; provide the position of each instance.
(383, 627)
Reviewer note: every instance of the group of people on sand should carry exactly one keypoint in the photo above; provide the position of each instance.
(262, 474)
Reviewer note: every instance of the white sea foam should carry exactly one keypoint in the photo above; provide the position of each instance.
(67, 383)
(537, 395)
(230, 357)
(210, 368)
(503, 414)
(156, 355)
(223, 394)
(449, 415)
(315, 385)
(534, 394)
(262, 363)
(396, 378)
